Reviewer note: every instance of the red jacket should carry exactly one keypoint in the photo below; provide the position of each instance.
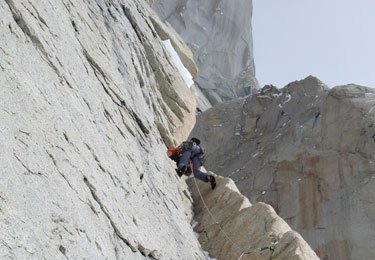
(173, 153)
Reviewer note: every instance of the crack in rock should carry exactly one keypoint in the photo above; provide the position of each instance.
(102, 207)
(26, 167)
(139, 248)
(100, 165)
(116, 98)
(58, 170)
(20, 21)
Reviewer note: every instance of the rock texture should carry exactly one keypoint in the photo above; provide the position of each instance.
(309, 152)
(219, 33)
(231, 228)
(88, 100)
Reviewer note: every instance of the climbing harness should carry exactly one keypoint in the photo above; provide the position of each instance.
(243, 251)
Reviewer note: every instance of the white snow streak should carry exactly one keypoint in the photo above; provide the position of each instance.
(289, 97)
(185, 74)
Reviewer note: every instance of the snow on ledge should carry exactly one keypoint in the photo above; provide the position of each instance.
(185, 74)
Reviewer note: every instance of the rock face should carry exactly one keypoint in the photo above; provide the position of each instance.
(231, 228)
(88, 99)
(219, 33)
(309, 152)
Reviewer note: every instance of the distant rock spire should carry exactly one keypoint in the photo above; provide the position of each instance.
(220, 36)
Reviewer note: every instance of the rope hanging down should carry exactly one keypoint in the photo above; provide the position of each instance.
(243, 251)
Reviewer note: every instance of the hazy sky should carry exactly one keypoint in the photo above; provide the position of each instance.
(333, 40)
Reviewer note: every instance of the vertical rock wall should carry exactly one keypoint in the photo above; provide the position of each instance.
(88, 96)
(219, 33)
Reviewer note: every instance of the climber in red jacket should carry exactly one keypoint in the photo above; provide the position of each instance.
(189, 156)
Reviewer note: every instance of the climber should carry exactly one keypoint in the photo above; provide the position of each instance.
(190, 155)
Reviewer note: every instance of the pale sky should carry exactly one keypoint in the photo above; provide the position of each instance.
(333, 40)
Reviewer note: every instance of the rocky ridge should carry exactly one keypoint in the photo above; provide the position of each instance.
(230, 227)
(307, 150)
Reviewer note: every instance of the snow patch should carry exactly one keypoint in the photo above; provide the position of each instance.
(289, 97)
(255, 154)
(185, 74)
(370, 95)
(194, 223)
(207, 255)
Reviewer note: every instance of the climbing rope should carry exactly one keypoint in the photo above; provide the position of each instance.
(243, 251)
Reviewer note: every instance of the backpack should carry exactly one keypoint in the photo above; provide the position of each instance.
(185, 146)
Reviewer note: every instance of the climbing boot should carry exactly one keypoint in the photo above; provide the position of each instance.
(212, 181)
(188, 171)
(178, 172)
(181, 170)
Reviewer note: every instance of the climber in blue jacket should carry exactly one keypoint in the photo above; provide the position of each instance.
(188, 154)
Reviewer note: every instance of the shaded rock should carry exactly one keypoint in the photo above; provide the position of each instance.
(202, 102)
(306, 150)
